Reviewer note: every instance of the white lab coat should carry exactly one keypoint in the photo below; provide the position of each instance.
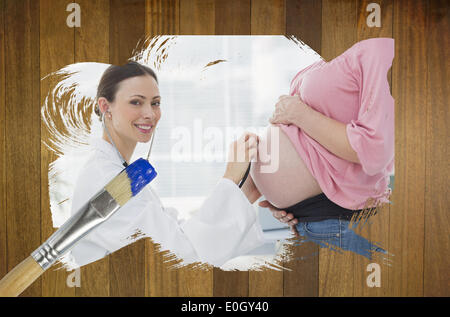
(225, 226)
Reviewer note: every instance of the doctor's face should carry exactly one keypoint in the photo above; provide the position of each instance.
(135, 110)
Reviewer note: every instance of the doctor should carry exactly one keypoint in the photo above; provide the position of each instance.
(225, 226)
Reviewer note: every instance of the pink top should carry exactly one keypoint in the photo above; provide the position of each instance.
(352, 89)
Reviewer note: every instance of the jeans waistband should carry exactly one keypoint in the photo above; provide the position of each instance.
(318, 208)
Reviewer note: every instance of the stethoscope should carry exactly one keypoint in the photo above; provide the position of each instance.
(125, 164)
(245, 175)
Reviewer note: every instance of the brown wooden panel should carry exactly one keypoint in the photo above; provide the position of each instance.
(22, 124)
(92, 38)
(231, 283)
(232, 17)
(377, 228)
(304, 21)
(163, 280)
(437, 244)
(56, 51)
(406, 234)
(303, 280)
(265, 283)
(237, 283)
(385, 30)
(268, 17)
(160, 281)
(3, 254)
(35, 40)
(197, 17)
(376, 231)
(338, 34)
(162, 17)
(127, 28)
(92, 45)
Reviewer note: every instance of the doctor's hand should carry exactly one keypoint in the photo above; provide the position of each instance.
(289, 110)
(250, 191)
(241, 152)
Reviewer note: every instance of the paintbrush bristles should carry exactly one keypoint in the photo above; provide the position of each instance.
(131, 181)
(120, 188)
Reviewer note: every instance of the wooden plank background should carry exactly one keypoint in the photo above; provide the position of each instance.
(35, 40)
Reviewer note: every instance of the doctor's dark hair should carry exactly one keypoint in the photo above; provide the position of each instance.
(113, 75)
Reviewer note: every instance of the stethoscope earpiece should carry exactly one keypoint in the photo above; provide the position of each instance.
(124, 163)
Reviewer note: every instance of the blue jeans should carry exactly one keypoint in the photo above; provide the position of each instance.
(336, 234)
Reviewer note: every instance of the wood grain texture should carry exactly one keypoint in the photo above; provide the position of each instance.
(162, 279)
(249, 283)
(92, 45)
(266, 283)
(167, 281)
(3, 190)
(20, 277)
(232, 17)
(338, 34)
(92, 38)
(437, 245)
(162, 17)
(377, 228)
(197, 17)
(56, 41)
(127, 28)
(409, 86)
(33, 43)
(386, 17)
(304, 21)
(231, 283)
(22, 123)
(303, 280)
(268, 17)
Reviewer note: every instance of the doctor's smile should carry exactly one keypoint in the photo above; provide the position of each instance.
(135, 104)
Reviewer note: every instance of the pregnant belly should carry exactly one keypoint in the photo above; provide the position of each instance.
(280, 174)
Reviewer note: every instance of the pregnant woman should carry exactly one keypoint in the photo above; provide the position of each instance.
(336, 146)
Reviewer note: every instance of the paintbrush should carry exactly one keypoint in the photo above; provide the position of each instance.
(97, 210)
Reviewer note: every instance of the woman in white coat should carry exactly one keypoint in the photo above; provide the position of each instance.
(225, 226)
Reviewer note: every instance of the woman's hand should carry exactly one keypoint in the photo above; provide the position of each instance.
(242, 151)
(281, 215)
(289, 110)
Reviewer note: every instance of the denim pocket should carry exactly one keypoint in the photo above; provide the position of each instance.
(322, 230)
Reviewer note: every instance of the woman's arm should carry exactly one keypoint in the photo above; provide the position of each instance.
(330, 133)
